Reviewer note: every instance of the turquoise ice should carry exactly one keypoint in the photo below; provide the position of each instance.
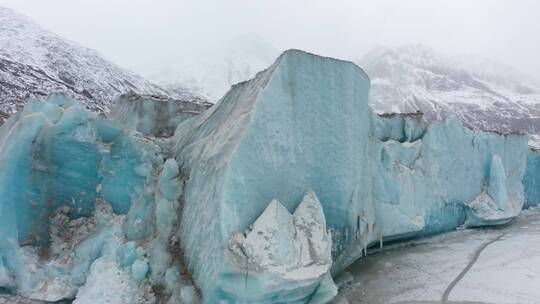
(301, 124)
(304, 123)
(264, 198)
(531, 181)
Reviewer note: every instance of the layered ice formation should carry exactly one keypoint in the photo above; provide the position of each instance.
(153, 115)
(87, 209)
(304, 123)
(448, 177)
(282, 249)
(531, 181)
(263, 198)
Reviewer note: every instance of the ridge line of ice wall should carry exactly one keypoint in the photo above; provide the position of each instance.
(301, 124)
(277, 141)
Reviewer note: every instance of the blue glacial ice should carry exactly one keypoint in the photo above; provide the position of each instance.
(531, 181)
(263, 198)
(76, 189)
(304, 123)
(273, 137)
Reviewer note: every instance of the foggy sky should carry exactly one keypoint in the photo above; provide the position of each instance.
(144, 34)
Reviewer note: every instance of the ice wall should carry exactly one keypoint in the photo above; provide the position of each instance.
(153, 115)
(261, 199)
(448, 177)
(58, 162)
(531, 181)
(399, 127)
(58, 154)
(301, 124)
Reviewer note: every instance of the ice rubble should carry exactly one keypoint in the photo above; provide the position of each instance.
(284, 247)
(92, 210)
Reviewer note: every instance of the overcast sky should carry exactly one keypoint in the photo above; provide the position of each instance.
(139, 34)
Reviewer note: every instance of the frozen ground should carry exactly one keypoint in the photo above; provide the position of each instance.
(496, 265)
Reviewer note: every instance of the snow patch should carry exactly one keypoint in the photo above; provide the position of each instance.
(296, 247)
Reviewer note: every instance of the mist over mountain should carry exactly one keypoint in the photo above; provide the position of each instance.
(212, 73)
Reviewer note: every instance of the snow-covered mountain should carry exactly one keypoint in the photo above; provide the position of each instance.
(35, 62)
(484, 94)
(212, 73)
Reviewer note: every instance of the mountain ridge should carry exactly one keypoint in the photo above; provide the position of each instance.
(418, 78)
(35, 62)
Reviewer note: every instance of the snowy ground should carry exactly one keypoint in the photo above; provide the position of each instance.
(500, 265)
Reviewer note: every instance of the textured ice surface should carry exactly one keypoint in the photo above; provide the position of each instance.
(153, 115)
(531, 181)
(287, 247)
(87, 208)
(55, 154)
(304, 123)
(399, 127)
(273, 137)
(449, 177)
(261, 199)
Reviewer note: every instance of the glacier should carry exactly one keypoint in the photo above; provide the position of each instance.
(266, 197)
(83, 199)
(531, 181)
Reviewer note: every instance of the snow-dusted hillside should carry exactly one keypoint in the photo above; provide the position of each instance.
(484, 94)
(35, 62)
(212, 73)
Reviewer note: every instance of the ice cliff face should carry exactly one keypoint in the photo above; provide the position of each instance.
(263, 198)
(35, 62)
(448, 177)
(266, 140)
(531, 181)
(152, 115)
(211, 74)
